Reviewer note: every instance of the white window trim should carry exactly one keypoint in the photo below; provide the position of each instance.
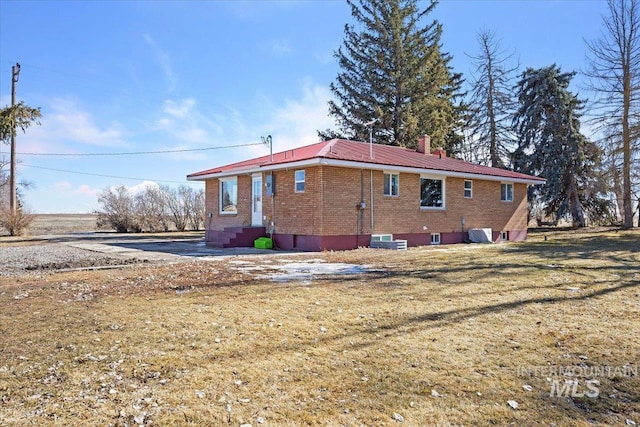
(464, 189)
(437, 238)
(504, 236)
(444, 193)
(221, 182)
(381, 237)
(512, 191)
(390, 187)
(295, 181)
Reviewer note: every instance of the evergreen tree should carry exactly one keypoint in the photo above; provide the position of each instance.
(393, 70)
(18, 116)
(550, 144)
(491, 103)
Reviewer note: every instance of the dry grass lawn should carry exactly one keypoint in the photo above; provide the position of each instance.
(433, 336)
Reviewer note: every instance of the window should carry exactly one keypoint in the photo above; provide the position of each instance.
(504, 236)
(468, 189)
(381, 237)
(506, 192)
(431, 193)
(391, 184)
(300, 181)
(435, 238)
(229, 195)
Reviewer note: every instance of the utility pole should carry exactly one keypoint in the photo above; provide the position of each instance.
(15, 72)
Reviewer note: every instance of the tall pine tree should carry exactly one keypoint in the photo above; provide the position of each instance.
(550, 144)
(393, 70)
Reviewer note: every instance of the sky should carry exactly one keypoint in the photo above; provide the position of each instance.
(203, 79)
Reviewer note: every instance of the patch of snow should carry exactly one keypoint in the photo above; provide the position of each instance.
(310, 268)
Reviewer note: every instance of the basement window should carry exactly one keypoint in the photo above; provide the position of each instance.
(229, 195)
(391, 184)
(435, 238)
(300, 180)
(381, 237)
(504, 236)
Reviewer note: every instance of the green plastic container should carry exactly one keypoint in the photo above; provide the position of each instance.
(263, 243)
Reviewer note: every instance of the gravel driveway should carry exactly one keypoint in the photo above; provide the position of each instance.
(53, 256)
(61, 252)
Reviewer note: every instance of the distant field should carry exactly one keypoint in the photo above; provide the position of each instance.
(538, 333)
(62, 224)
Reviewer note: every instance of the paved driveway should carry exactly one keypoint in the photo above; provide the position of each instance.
(155, 247)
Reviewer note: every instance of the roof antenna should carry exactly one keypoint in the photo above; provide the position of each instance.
(268, 140)
(370, 126)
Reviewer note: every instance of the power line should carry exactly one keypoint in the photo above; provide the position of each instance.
(139, 152)
(104, 176)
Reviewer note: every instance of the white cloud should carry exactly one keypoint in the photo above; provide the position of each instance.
(186, 125)
(298, 120)
(291, 122)
(62, 186)
(65, 188)
(64, 122)
(63, 197)
(139, 188)
(86, 190)
(164, 61)
(280, 48)
(180, 109)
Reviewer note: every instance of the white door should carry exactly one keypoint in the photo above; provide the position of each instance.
(256, 201)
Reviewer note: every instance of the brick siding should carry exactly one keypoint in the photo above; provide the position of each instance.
(328, 206)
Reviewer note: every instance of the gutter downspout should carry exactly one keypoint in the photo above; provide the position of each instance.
(371, 201)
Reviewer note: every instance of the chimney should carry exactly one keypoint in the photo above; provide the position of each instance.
(440, 152)
(424, 144)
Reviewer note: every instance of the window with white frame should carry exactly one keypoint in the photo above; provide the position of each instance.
(300, 178)
(229, 195)
(504, 236)
(468, 189)
(381, 237)
(432, 193)
(435, 238)
(506, 192)
(391, 184)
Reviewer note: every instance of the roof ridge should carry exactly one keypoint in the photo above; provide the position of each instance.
(359, 152)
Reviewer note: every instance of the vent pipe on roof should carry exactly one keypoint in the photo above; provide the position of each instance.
(268, 140)
(370, 126)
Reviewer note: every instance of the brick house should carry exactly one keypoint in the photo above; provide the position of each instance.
(341, 194)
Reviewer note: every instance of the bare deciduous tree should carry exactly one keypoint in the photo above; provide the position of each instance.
(15, 223)
(151, 209)
(117, 210)
(176, 208)
(492, 103)
(157, 208)
(194, 206)
(614, 72)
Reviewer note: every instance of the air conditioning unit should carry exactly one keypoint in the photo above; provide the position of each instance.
(480, 235)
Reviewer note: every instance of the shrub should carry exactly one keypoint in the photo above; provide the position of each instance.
(16, 223)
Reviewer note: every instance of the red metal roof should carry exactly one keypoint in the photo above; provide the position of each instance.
(359, 152)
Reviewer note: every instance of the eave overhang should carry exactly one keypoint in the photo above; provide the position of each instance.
(319, 161)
